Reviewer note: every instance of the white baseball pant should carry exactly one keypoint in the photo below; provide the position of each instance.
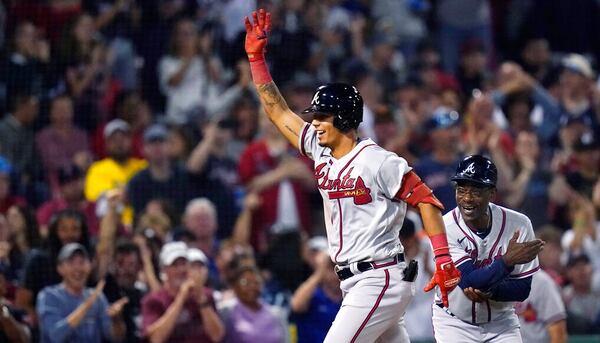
(450, 329)
(373, 307)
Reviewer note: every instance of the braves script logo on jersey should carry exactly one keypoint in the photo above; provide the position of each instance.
(473, 253)
(344, 187)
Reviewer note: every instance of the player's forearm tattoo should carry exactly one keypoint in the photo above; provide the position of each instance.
(270, 95)
(273, 101)
(291, 130)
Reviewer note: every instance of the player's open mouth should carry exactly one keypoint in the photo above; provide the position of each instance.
(469, 210)
(320, 133)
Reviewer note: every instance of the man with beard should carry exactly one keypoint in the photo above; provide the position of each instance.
(121, 282)
(113, 172)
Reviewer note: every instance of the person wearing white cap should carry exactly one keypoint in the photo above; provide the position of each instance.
(113, 172)
(183, 310)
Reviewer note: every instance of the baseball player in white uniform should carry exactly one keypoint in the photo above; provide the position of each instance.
(542, 314)
(496, 251)
(365, 192)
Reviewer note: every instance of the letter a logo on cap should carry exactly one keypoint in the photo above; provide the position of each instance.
(470, 169)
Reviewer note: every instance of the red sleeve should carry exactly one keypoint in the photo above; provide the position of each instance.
(152, 310)
(247, 164)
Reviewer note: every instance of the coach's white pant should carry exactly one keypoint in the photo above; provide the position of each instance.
(373, 308)
(450, 329)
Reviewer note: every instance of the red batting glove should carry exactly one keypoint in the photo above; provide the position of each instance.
(446, 277)
(256, 34)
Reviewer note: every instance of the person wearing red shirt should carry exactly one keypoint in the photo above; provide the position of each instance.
(273, 169)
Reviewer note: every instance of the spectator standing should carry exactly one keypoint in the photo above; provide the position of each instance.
(436, 168)
(17, 140)
(132, 108)
(116, 19)
(67, 226)
(472, 72)
(209, 160)
(7, 199)
(317, 300)
(542, 315)
(528, 190)
(581, 301)
(61, 144)
(71, 311)
(114, 171)
(70, 181)
(183, 310)
(122, 281)
(550, 257)
(22, 236)
(86, 65)
(247, 318)
(190, 80)
(200, 221)
(458, 22)
(12, 327)
(162, 179)
(282, 178)
(584, 236)
(25, 69)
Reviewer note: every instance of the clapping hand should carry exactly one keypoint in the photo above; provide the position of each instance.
(116, 308)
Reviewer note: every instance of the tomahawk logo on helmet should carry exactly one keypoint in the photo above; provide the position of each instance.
(340, 100)
(476, 169)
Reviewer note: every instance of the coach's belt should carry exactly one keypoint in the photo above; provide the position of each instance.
(344, 273)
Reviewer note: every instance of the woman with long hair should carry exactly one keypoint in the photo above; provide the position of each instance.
(67, 226)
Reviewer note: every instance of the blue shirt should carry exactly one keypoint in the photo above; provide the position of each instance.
(313, 324)
(55, 304)
(437, 176)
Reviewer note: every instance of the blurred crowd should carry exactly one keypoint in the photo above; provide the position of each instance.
(143, 196)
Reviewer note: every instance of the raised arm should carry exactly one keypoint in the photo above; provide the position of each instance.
(288, 123)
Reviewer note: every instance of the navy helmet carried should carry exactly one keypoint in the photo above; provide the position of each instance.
(476, 169)
(340, 100)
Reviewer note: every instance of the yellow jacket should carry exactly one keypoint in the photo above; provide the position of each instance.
(107, 174)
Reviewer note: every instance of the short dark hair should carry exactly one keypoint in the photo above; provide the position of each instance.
(20, 99)
(126, 247)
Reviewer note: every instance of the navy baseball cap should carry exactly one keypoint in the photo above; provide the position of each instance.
(442, 118)
(156, 133)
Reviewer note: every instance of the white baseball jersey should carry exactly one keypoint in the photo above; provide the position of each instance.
(361, 218)
(465, 246)
(543, 307)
